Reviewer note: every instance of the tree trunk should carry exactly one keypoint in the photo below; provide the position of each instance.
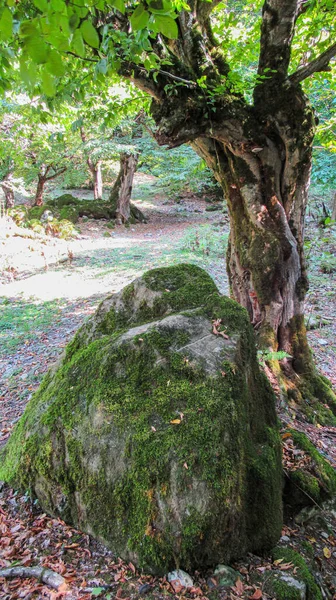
(120, 196)
(265, 182)
(8, 191)
(40, 190)
(96, 172)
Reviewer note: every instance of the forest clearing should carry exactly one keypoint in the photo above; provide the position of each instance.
(167, 300)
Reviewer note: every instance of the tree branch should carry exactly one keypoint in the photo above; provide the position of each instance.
(47, 576)
(56, 174)
(277, 30)
(321, 63)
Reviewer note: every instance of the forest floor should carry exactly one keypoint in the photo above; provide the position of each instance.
(47, 288)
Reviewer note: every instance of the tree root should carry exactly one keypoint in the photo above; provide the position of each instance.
(47, 576)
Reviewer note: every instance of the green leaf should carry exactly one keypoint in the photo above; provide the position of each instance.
(55, 64)
(139, 18)
(97, 591)
(6, 24)
(119, 5)
(90, 35)
(48, 84)
(42, 5)
(74, 21)
(37, 50)
(28, 72)
(57, 5)
(77, 44)
(167, 26)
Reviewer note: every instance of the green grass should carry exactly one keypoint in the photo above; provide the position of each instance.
(22, 321)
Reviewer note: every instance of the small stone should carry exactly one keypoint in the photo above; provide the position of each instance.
(182, 577)
(323, 342)
(284, 538)
(325, 535)
(144, 589)
(211, 583)
(226, 576)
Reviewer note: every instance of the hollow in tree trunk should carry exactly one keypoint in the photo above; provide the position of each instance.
(120, 196)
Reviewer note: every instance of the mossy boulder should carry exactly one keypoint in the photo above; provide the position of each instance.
(311, 483)
(64, 200)
(155, 434)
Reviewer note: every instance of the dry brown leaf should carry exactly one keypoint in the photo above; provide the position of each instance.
(257, 595)
(286, 566)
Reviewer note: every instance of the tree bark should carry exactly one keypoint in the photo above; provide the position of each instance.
(7, 185)
(38, 201)
(120, 196)
(97, 180)
(95, 170)
(8, 191)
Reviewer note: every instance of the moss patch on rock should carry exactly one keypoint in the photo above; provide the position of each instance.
(155, 435)
(302, 573)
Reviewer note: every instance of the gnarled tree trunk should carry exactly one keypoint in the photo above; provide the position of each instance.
(120, 196)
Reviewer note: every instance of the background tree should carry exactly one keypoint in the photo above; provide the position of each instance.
(258, 144)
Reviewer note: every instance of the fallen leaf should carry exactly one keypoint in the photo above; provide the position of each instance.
(256, 596)
(175, 421)
(326, 552)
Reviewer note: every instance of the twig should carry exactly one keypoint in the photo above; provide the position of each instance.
(47, 576)
(303, 491)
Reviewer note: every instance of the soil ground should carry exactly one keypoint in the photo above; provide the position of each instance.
(47, 288)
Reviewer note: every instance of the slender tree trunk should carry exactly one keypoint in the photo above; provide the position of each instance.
(96, 172)
(333, 210)
(121, 192)
(38, 201)
(8, 191)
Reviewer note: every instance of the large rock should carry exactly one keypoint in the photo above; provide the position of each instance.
(155, 434)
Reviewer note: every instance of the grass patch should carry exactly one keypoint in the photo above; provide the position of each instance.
(22, 321)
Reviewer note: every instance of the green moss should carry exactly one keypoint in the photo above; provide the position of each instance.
(302, 571)
(284, 591)
(64, 200)
(320, 482)
(36, 212)
(70, 213)
(318, 400)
